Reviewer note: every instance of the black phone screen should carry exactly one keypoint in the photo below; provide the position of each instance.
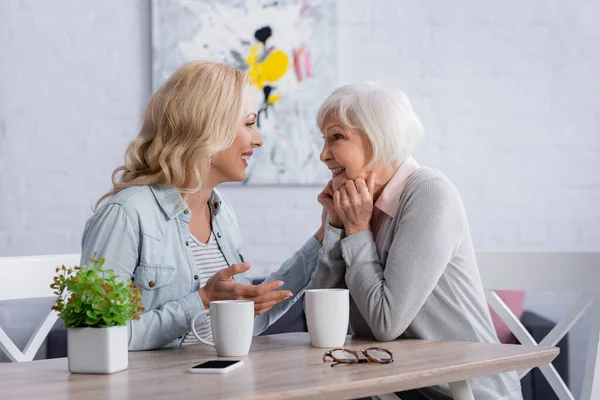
(216, 364)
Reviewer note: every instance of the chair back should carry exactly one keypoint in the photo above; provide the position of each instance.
(27, 278)
(557, 271)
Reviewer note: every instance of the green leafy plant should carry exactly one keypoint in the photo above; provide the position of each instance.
(90, 296)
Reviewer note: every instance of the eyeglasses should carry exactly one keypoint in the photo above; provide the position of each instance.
(347, 356)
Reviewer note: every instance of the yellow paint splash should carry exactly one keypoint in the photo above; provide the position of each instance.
(270, 70)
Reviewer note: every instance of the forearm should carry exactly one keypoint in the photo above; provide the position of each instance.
(295, 273)
(159, 327)
(377, 302)
(331, 266)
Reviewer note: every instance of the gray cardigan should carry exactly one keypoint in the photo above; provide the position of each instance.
(423, 283)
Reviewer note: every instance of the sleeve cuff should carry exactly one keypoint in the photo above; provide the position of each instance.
(334, 233)
(358, 248)
(331, 242)
(192, 306)
(311, 247)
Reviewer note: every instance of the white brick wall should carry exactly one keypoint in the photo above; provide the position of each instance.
(74, 77)
(508, 93)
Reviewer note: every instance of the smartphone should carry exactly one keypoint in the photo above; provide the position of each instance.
(216, 366)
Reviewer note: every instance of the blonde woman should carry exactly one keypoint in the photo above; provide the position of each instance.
(166, 227)
(398, 236)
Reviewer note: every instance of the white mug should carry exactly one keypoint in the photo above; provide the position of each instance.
(327, 313)
(232, 324)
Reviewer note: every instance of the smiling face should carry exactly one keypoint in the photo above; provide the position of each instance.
(346, 152)
(230, 164)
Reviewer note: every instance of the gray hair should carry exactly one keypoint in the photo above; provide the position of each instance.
(382, 113)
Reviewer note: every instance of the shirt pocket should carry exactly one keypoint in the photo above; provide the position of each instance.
(153, 276)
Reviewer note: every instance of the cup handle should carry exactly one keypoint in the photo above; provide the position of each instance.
(196, 333)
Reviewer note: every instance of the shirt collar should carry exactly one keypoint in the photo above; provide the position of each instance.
(172, 204)
(214, 203)
(389, 199)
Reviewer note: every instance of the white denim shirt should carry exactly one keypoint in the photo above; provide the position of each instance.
(143, 233)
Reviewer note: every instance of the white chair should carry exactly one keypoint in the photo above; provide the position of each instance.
(548, 271)
(28, 278)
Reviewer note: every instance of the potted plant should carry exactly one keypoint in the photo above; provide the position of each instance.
(95, 307)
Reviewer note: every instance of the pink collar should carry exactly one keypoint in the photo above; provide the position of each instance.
(389, 200)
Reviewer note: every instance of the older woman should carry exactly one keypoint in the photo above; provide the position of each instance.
(166, 226)
(398, 236)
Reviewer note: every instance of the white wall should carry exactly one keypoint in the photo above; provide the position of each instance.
(74, 77)
(508, 93)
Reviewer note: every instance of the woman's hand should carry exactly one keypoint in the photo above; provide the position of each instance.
(326, 200)
(354, 204)
(221, 286)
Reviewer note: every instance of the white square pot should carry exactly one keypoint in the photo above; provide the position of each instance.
(97, 350)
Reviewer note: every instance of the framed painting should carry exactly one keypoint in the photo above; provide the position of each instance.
(288, 49)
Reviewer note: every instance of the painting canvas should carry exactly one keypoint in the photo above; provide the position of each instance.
(287, 48)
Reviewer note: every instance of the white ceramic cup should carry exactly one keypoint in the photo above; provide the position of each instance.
(327, 313)
(232, 323)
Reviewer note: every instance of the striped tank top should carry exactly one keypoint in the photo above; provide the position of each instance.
(208, 259)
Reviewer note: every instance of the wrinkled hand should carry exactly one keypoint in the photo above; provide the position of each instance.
(221, 286)
(326, 200)
(354, 204)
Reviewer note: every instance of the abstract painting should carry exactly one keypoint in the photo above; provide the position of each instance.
(288, 49)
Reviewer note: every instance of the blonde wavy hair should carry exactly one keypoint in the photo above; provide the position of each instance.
(194, 115)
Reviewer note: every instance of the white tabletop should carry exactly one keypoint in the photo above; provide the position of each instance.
(278, 367)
